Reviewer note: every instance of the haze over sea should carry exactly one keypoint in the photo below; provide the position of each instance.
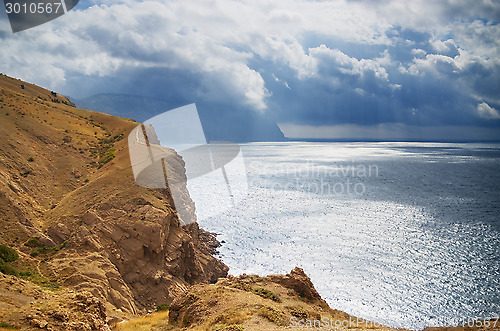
(404, 234)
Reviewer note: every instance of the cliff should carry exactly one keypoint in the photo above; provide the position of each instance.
(70, 207)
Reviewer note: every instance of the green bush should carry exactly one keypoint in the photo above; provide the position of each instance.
(272, 314)
(33, 242)
(39, 248)
(107, 156)
(8, 254)
(162, 307)
(7, 269)
(267, 294)
(53, 286)
(6, 326)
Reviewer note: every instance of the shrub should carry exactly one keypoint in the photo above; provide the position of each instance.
(7, 269)
(272, 314)
(8, 254)
(107, 156)
(33, 242)
(267, 294)
(191, 298)
(232, 327)
(232, 317)
(53, 286)
(4, 325)
(39, 248)
(298, 312)
(162, 307)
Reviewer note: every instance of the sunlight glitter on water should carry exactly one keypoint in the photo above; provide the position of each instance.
(408, 252)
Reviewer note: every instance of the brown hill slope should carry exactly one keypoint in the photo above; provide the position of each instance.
(69, 205)
(250, 302)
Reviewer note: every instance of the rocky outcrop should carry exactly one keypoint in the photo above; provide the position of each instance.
(132, 252)
(27, 306)
(71, 207)
(250, 302)
(136, 262)
(298, 281)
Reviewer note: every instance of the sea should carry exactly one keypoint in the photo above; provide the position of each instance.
(401, 234)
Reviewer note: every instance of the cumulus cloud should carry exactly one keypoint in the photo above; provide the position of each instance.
(336, 62)
(485, 111)
(106, 40)
(328, 60)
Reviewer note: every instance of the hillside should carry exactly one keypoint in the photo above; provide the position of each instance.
(70, 207)
(250, 302)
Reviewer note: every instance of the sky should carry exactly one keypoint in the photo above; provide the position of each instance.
(384, 69)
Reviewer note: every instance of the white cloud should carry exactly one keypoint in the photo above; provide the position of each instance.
(101, 40)
(478, 38)
(433, 64)
(445, 46)
(333, 59)
(485, 111)
(369, 47)
(418, 52)
(429, 16)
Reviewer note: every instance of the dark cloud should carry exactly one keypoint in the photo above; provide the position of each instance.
(433, 90)
(316, 63)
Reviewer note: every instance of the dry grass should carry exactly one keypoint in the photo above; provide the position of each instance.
(232, 327)
(156, 321)
(53, 157)
(274, 315)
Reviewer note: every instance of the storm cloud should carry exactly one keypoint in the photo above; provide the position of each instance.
(311, 63)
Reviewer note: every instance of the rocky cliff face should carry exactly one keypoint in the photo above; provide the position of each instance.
(135, 256)
(27, 306)
(70, 206)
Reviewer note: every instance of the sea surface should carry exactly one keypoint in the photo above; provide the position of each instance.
(403, 234)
